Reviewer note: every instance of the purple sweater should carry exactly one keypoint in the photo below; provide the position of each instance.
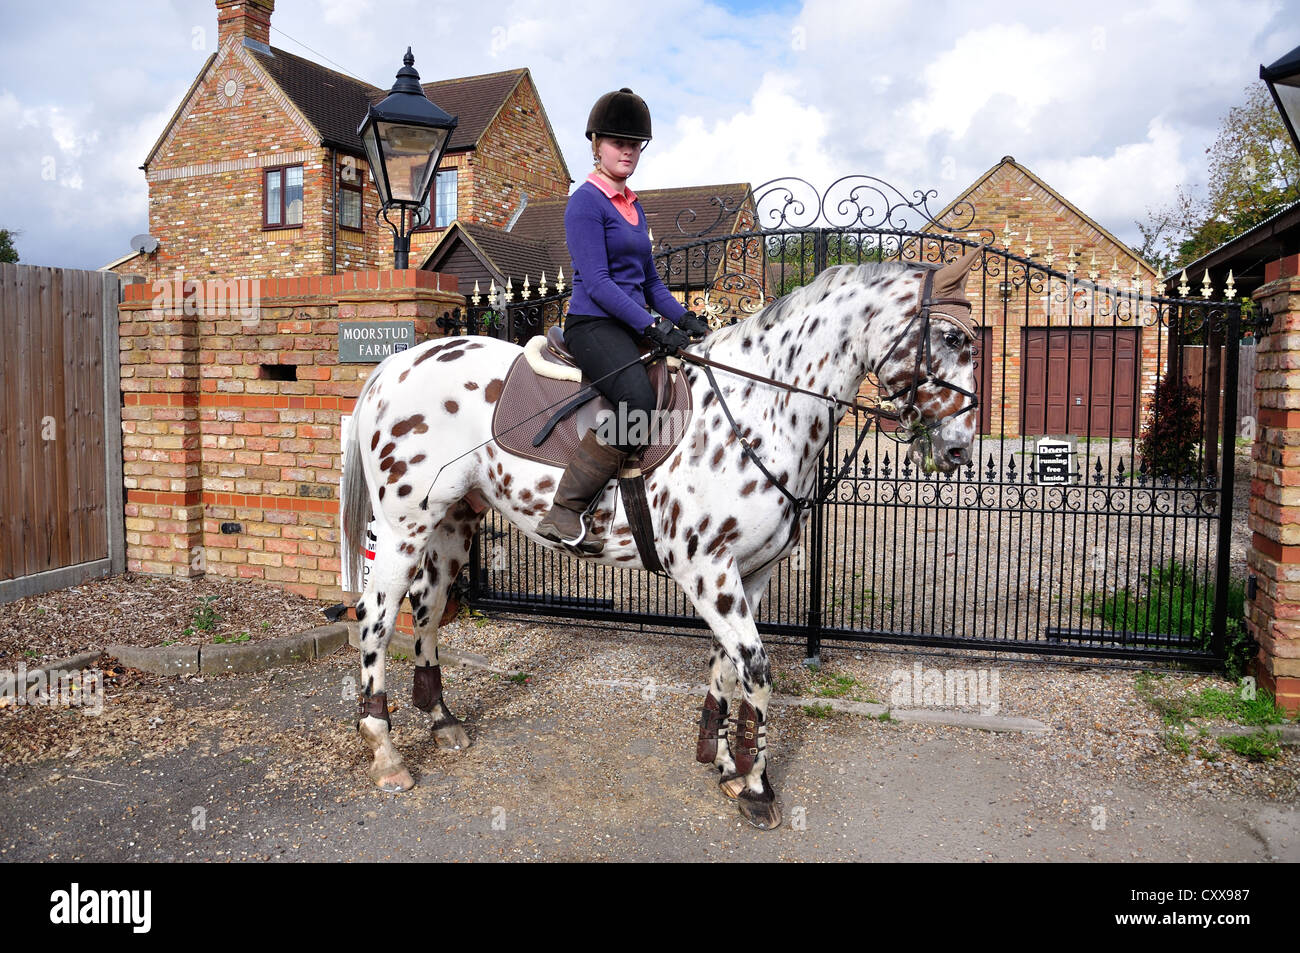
(614, 272)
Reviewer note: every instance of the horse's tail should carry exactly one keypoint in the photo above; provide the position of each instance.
(356, 494)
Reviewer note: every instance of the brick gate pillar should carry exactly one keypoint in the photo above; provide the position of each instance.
(160, 430)
(1273, 616)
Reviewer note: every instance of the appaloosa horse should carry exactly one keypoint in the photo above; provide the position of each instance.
(720, 524)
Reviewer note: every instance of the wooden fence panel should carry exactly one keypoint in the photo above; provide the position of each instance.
(60, 429)
(1247, 399)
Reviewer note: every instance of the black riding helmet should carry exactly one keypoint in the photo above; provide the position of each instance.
(621, 114)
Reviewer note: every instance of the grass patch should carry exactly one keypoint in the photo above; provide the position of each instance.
(1264, 746)
(231, 639)
(818, 711)
(1175, 600)
(1210, 703)
(1175, 742)
(205, 618)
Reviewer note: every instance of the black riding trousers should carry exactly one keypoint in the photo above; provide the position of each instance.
(600, 344)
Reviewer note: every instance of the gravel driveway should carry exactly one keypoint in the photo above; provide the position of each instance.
(590, 758)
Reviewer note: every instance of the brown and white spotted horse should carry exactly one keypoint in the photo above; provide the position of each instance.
(720, 524)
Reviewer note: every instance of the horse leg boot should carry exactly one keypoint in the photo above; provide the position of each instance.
(753, 793)
(593, 466)
(711, 746)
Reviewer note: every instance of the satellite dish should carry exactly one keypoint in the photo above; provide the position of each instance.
(145, 243)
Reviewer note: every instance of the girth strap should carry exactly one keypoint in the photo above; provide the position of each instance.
(632, 487)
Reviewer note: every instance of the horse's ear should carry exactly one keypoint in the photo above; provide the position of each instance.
(950, 280)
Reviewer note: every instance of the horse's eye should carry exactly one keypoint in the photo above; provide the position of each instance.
(952, 339)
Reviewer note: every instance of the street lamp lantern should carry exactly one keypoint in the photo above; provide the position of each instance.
(404, 136)
(1283, 79)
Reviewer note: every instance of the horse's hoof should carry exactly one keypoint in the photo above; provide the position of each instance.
(451, 737)
(393, 781)
(760, 810)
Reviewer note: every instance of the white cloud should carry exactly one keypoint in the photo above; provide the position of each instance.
(1117, 188)
(1007, 60)
(777, 134)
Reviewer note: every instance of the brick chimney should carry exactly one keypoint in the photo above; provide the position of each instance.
(244, 18)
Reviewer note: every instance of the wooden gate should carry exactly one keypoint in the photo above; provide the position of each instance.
(61, 517)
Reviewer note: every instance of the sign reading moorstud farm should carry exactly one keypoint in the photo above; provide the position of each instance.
(1052, 462)
(369, 342)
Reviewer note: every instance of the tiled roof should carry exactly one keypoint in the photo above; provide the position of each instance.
(336, 103)
(514, 255)
(332, 102)
(473, 100)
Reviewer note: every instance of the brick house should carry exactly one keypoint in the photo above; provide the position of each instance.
(1092, 377)
(260, 173)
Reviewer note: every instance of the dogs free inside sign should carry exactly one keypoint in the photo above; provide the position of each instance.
(1052, 462)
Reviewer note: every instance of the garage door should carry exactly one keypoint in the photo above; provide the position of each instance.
(1080, 381)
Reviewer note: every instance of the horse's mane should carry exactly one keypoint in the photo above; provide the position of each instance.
(865, 273)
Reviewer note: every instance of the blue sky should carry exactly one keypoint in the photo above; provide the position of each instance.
(1112, 103)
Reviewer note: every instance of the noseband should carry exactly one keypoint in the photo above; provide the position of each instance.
(923, 356)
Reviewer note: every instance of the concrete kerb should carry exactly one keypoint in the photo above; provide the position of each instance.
(955, 719)
(233, 657)
(73, 663)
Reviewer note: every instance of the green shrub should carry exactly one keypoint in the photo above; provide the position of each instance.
(1167, 447)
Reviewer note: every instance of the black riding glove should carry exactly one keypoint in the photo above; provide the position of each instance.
(667, 336)
(694, 325)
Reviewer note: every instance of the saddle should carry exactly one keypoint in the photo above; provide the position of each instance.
(546, 376)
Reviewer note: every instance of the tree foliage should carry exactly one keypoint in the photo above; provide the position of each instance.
(1252, 172)
(8, 251)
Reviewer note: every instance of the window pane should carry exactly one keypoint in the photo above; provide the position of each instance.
(273, 198)
(293, 195)
(350, 208)
(446, 205)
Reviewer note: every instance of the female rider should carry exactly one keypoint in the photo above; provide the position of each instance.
(614, 280)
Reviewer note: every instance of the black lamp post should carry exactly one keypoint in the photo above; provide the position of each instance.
(404, 136)
(1283, 79)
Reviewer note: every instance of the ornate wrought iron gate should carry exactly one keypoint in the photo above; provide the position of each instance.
(1094, 549)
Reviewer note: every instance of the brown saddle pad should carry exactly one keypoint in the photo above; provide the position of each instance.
(520, 415)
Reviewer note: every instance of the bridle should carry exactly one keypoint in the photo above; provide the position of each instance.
(878, 411)
(923, 355)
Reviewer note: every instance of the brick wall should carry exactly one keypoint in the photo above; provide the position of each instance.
(515, 152)
(1273, 616)
(209, 437)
